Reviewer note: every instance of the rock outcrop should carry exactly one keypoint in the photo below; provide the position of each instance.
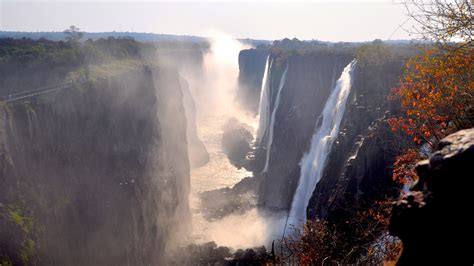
(433, 219)
(97, 174)
(236, 141)
(224, 201)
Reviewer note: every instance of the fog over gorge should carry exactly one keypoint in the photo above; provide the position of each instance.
(236, 133)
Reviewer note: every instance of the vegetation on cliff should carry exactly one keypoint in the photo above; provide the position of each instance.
(80, 166)
(27, 64)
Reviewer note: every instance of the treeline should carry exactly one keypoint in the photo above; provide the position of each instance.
(138, 36)
(366, 52)
(27, 63)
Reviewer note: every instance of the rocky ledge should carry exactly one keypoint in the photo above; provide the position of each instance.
(433, 219)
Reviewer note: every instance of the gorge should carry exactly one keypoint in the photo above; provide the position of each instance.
(193, 152)
(166, 122)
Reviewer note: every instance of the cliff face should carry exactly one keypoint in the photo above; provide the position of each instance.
(188, 61)
(358, 170)
(198, 155)
(309, 81)
(101, 169)
(251, 68)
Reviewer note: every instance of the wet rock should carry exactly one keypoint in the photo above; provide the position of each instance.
(251, 68)
(236, 141)
(104, 164)
(358, 170)
(309, 81)
(225, 201)
(198, 154)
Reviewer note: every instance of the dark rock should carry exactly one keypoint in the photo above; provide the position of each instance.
(236, 141)
(358, 170)
(225, 201)
(434, 219)
(309, 81)
(251, 69)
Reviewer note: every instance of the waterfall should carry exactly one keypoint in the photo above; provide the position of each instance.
(272, 119)
(313, 162)
(264, 105)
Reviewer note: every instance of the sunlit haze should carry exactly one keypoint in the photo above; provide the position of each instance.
(322, 20)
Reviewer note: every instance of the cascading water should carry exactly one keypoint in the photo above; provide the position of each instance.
(272, 119)
(264, 105)
(313, 162)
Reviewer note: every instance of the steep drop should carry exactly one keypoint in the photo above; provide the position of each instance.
(272, 120)
(264, 105)
(326, 131)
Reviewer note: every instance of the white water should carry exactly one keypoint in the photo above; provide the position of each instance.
(272, 120)
(215, 106)
(313, 162)
(264, 104)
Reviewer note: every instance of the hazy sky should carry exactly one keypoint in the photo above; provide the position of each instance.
(262, 19)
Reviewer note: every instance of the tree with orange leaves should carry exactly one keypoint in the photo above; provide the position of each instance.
(437, 95)
(437, 90)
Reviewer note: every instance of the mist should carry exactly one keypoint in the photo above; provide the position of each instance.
(213, 88)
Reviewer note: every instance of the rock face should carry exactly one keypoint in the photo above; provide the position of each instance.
(101, 170)
(236, 141)
(309, 81)
(198, 155)
(251, 68)
(224, 201)
(433, 220)
(358, 169)
(188, 60)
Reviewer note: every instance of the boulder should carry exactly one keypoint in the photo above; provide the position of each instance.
(434, 219)
(236, 141)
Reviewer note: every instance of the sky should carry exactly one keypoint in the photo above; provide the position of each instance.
(335, 20)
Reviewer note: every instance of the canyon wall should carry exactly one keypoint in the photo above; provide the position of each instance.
(251, 68)
(359, 167)
(188, 61)
(96, 174)
(309, 81)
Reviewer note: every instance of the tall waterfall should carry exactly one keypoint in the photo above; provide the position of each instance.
(313, 162)
(264, 105)
(272, 119)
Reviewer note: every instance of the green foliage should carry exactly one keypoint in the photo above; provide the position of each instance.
(24, 222)
(374, 53)
(27, 251)
(73, 34)
(5, 261)
(27, 64)
(20, 231)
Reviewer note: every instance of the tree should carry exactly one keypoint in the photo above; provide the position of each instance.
(437, 94)
(73, 34)
(437, 90)
(442, 21)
